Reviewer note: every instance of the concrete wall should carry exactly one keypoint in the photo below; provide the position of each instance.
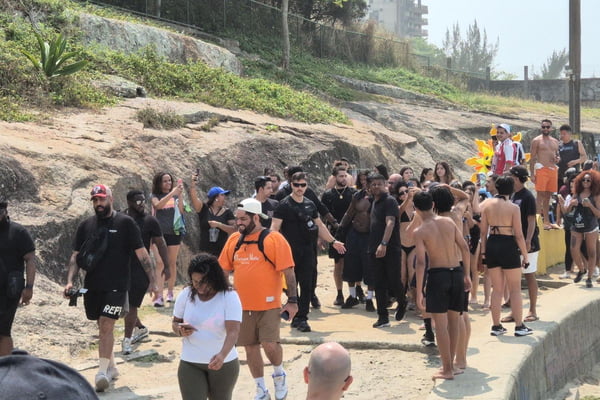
(549, 90)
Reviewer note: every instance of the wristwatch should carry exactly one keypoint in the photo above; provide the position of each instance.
(333, 242)
(384, 243)
(292, 299)
(29, 286)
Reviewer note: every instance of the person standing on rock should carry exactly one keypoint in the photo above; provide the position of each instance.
(105, 241)
(17, 255)
(384, 250)
(151, 234)
(298, 220)
(437, 239)
(264, 188)
(544, 171)
(337, 200)
(328, 372)
(571, 152)
(257, 271)
(166, 199)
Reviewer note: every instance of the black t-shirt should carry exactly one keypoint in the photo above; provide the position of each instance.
(568, 152)
(309, 194)
(149, 228)
(112, 272)
(337, 201)
(206, 215)
(298, 225)
(386, 206)
(268, 207)
(526, 202)
(15, 243)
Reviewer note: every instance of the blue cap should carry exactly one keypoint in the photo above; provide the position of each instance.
(216, 190)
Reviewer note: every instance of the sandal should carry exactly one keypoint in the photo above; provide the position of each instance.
(508, 318)
(531, 318)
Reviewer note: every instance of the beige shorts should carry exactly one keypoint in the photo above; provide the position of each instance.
(259, 327)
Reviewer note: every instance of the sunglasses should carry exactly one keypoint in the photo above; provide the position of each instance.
(401, 192)
(546, 126)
(140, 202)
(295, 184)
(586, 180)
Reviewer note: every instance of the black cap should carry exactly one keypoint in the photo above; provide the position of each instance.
(519, 171)
(27, 377)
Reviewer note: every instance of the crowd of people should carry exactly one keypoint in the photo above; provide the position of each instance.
(397, 240)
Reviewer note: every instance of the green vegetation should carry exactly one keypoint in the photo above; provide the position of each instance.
(52, 57)
(157, 119)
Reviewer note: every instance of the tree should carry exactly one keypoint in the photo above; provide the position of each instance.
(473, 53)
(554, 65)
(285, 33)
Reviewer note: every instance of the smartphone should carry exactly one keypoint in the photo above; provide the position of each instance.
(285, 315)
(186, 325)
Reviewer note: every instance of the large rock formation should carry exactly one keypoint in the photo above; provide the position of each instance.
(130, 37)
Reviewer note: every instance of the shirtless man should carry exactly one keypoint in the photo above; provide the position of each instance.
(438, 237)
(544, 156)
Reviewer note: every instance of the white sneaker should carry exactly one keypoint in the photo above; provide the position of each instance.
(281, 389)
(102, 382)
(262, 394)
(565, 275)
(126, 347)
(596, 272)
(112, 373)
(139, 334)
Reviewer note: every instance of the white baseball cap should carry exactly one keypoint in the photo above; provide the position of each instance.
(252, 206)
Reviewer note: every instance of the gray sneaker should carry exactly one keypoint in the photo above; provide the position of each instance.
(281, 389)
(126, 347)
(262, 394)
(139, 334)
(102, 382)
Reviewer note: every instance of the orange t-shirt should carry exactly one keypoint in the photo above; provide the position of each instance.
(257, 281)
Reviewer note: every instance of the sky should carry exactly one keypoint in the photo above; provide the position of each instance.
(528, 30)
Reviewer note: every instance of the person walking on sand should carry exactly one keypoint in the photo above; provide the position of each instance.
(437, 238)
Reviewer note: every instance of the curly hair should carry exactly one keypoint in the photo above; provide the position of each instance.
(208, 265)
(594, 187)
(449, 177)
(157, 183)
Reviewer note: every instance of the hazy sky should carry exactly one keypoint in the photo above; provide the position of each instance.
(529, 30)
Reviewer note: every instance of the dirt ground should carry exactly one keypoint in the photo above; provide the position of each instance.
(387, 363)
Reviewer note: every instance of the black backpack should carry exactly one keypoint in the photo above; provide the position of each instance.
(260, 242)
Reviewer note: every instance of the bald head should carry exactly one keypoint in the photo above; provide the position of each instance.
(392, 180)
(328, 371)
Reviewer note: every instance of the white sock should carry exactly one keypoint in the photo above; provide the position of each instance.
(103, 365)
(352, 291)
(370, 294)
(260, 382)
(278, 370)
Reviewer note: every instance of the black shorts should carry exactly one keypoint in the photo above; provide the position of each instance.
(333, 254)
(110, 304)
(8, 309)
(357, 261)
(502, 251)
(445, 290)
(172, 240)
(138, 287)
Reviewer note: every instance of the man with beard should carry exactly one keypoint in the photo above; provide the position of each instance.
(151, 233)
(337, 200)
(544, 172)
(257, 258)
(108, 280)
(17, 253)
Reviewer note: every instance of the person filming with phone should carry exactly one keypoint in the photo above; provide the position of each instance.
(207, 315)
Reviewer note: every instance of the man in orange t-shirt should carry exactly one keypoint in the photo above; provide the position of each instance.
(258, 281)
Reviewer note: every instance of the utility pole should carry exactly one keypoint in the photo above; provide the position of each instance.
(575, 65)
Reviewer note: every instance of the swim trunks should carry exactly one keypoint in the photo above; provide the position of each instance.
(546, 179)
(445, 290)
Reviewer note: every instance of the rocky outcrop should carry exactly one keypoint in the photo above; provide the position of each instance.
(120, 87)
(130, 37)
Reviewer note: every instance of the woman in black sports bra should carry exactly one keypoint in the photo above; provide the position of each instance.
(501, 219)
(472, 219)
(584, 225)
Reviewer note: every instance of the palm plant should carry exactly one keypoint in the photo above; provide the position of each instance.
(53, 56)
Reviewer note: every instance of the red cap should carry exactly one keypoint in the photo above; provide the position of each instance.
(99, 191)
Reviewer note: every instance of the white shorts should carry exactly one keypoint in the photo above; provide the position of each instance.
(533, 260)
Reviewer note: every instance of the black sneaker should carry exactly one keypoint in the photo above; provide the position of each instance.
(350, 302)
(588, 283)
(523, 330)
(339, 300)
(381, 323)
(580, 275)
(369, 305)
(360, 295)
(428, 340)
(303, 326)
(314, 302)
(498, 330)
(401, 309)
(295, 323)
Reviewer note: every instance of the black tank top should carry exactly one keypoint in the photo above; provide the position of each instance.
(568, 152)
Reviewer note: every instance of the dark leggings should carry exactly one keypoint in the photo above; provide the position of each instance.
(197, 382)
(568, 257)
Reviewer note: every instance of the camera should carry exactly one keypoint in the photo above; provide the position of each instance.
(73, 294)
